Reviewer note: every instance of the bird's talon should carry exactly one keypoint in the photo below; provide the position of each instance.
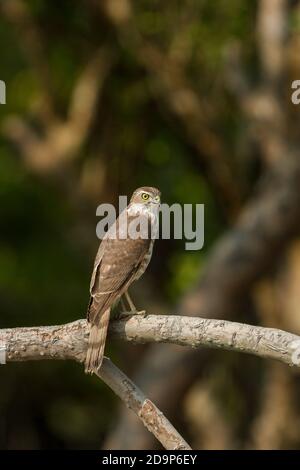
(143, 313)
(130, 313)
(140, 312)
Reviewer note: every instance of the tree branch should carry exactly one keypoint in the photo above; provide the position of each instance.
(150, 415)
(69, 341)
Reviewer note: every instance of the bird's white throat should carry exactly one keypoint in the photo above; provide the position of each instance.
(149, 210)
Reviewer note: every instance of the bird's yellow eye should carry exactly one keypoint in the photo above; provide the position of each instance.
(145, 196)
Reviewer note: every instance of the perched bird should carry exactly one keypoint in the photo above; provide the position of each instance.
(122, 257)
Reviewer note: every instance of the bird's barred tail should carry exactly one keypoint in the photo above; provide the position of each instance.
(96, 346)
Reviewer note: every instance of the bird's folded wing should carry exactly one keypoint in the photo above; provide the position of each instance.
(116, 265)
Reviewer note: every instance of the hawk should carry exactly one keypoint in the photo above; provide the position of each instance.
(122, 258)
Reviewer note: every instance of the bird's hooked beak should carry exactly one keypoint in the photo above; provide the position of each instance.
(156, 200)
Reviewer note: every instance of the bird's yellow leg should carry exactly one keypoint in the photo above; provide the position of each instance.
(132, 308)
(130, 302)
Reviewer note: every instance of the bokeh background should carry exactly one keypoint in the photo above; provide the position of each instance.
(193, 97)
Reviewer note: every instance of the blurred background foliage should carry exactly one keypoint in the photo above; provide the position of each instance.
(102, 97)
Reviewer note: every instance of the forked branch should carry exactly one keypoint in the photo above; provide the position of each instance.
(69, 341)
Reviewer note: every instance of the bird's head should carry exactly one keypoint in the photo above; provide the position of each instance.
(147, 196)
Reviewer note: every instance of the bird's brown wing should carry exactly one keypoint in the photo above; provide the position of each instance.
(114, 272)
(116, 265)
